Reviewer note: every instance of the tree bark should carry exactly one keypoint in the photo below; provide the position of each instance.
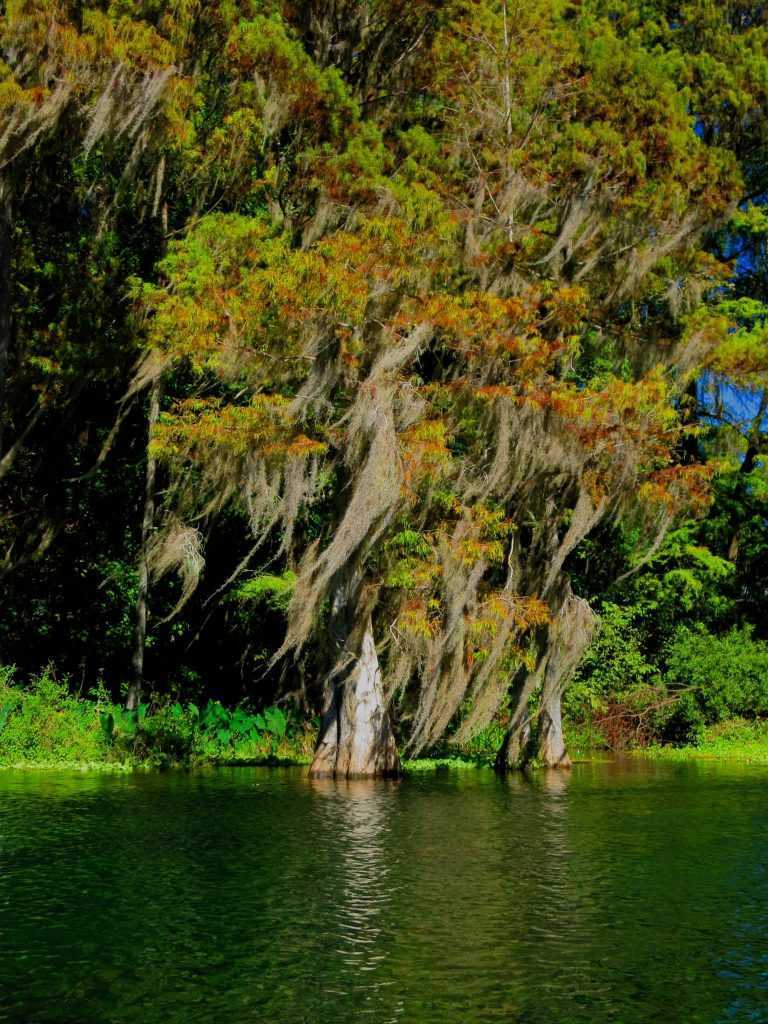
(545, 743)
(516, 749)
(570, 633)
(6, 285)
(147, 525)
(755, 444)
(562, 645)
(551, 744)
(356, 737)
(689, 415)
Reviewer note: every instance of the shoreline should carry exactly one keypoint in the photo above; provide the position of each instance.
(754, 754)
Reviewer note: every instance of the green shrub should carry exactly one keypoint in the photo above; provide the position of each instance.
(45, 723)
(606, 703)
(614, 666)
(728, 674)
(734, 739)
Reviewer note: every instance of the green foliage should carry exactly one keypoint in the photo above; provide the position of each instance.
(486, 743)
(615, 665)
(176, 732)
(274, 591)
(436, 764)
(45, 724)
(671, 656)
(728, 673)
(734, 739)
(416, 277)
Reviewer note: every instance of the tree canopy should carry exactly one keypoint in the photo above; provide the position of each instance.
(439, 293)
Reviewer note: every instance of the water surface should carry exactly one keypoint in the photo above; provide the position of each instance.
(620, 893)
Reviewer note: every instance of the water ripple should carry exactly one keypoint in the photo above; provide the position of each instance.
(627, 893)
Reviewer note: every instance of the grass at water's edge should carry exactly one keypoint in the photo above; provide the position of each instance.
(734, 751)
(736, 740)
(433, 764)
(748, 754)
(151, 764)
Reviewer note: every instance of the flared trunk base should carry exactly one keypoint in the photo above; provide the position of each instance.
(515, 752)
(356, 738)
(552, 751)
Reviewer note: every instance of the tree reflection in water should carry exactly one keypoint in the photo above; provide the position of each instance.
(357, 812)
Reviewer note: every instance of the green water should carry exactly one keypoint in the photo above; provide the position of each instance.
(632, 893)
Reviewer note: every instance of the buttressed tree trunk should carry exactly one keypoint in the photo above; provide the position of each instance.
(551, 743)
(356, 735)
(563, 646)
(515, 750)
(147, 524)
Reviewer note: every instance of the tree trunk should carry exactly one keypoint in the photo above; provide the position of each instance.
(522, 745)
(148, 522)
(6, 252)
(562, 645)
(516, 749)
(551, 744)
(356, 737)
